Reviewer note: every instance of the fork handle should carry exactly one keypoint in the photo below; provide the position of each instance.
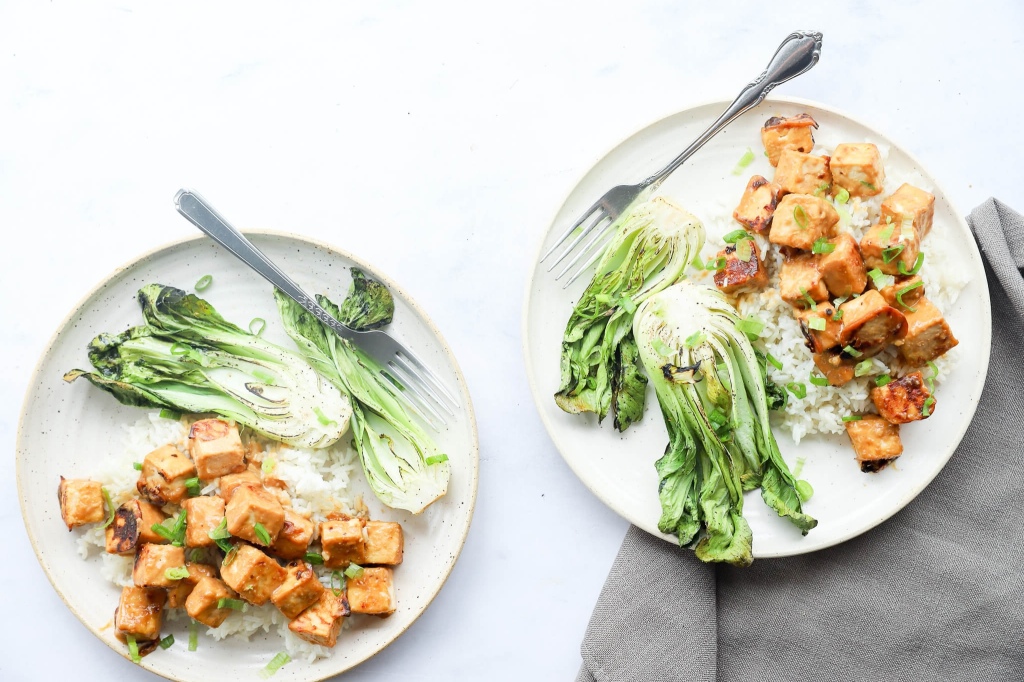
(796, 55)
(202, 215)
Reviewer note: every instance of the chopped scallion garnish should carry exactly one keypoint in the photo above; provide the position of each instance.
(315, 558)
(176, 573)
(178, 348)
(695, 339)
(822, 245)
(914, 270)
(735, 236)
(816, 323)
(927, 409)
(110, 505)
(275, 664)
(798, 389)
(133, 649)
(883, 380)
(354, 571)
(697, 262)
(233, 604)
(323, 418)
(807, 299)
(868, 185)
(930, 380)
(880, 279)
(262, 534)
(819, 381)
(744, 250)
(837, 315)
(137, 466)
(193, 635)
(627, 304)
(167, 642)
(436, 459)
(204, 282)
(820, 190)
(852, 352)
(716, 264)
(257, 325)
(745, 160)
(842, 196)
(800, 216)
(337, 579)
(852, 418)
(773, 361)
(268, 465)
(220, 532)
(886, 233)
(906, 290)
(751, 326)
(169, 414)
(661, 347)
(863, 368)
(890, 254)
(192, 485)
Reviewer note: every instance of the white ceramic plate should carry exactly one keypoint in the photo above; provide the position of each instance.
(66, 427)
(619, 469)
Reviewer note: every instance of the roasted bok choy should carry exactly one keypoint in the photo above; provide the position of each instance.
(711, 385)
(600, 371)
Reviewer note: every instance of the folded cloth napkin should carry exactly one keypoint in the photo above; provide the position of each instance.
(935, 593)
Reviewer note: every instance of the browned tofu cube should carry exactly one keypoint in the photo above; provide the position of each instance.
(799, 279)
(837, 368)
(843, 269)
(794, 132)
(820, 335)
(300, 589)
(81, 502)
(140, 613)
(902, 400)
(177, 594)
(910, 204)
(857, 168)
(133, 525)
(928, 334)
(343, 542)
(201, 604)
(373, 592)
(249, 506)
(801, 219)
(216, 448)
(203, 515)
(876, 441)
(757, 205)
(885, 246)
(912, 289)
(799, 173)
(321, 622)
(230, 482)
(152, 563)
(163, 475)
(384, 543)
(739, 274)
(870, 324)
(295, 536)
(252, 574)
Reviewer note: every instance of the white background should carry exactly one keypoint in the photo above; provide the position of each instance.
(436, 140)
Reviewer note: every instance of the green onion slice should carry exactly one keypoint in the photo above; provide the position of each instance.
(169, 414)
(137, 466)
(744, 250)
(354, 571)
(863, 368)
(807, 299)
(880, 279)
(176, 573)
(816, 323)
(914, 270)
(167, 642)
(315, 558)
(745, 160)
(822, 245)
(220, 532)
(627, 304)
(697, 262)
(275, 664)
(110, 505)
(890, 254)
(886, 233)
(192, 485)
(336, 579)
(906, 290)
(716, 264)
(193, 635)
(852, 352)
(204, 283)
(735, 236)
(927, 409)
(798, 389)
(262, 534)
(323, 418)
(233, 604)
(883, 380)
(268, 466)
(695, 339)
(842, 196)
(178, 348)
(436, 459)
(818, 381)
(868, 185)
(800, 462)
(257, 325)
(773, 361)
(751, 326)
(852, 418)
(804, 490)
(930, 380)
(800, 216)
(133, 649)
(662, 347)
(837, 315)
(820, 190)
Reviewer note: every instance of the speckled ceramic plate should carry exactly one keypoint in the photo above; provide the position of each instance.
(66, 427)
(619, 469)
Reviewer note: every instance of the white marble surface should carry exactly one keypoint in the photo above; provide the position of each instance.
(436, 140)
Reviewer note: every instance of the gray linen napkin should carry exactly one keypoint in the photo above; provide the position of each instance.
(935, 593)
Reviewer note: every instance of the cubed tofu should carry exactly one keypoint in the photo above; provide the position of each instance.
(163, 475)
(801, 219)
(799, 173)
(133, 525)
(902, 400)
(252, 574)
(201, 603)
(178, 594)
(216, 448)
(836, 366)
(820, 340)
(928, 335)
(249, 506)
(757, 205)
(876, 441)
(794, 132)
(384, 543)
(912, 288)
(300, 589)
(909, 203)
(295, 536)
(140, 613)
(857, 168)
(741, 275)
(321, 622)
(152, 563)
(799, 279)
(373, 592)
(231, 482)
(843, 269)
(343, 542)
(81, 502)
(204, 513)
(870, 324)
(886, 245)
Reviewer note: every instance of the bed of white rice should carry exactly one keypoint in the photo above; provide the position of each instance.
(316, 481)
(822, 410)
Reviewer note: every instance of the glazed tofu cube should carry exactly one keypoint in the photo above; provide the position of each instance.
(738, 274)
(843, 269)
(201, 604)
(300, 590)
(373, 592)
(178, 594)
(203, 515)
(321, 622)
(343, 542)
(163, 475)
(252, 574)
(876, 442)
(912, 289)
(216, 448)
(820, 340)
(231, 482)
(902, 400)
(757, 205)
(928, 335)
(910, 204)
(249, 506)
(152, 563)
(870, 324)
(384, 543)
(295, 536)
(857, 168)
(81, 502)
(140, 613)
(799, 279)
(779, 134)
(801, 219)
(799, 173)
(886, 245)
(133, 525)
(837, 368)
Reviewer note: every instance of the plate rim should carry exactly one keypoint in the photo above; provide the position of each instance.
(462, 386)
(979, 380)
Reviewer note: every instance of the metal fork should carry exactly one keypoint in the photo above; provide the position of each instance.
(426, 393)
(797, 54)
